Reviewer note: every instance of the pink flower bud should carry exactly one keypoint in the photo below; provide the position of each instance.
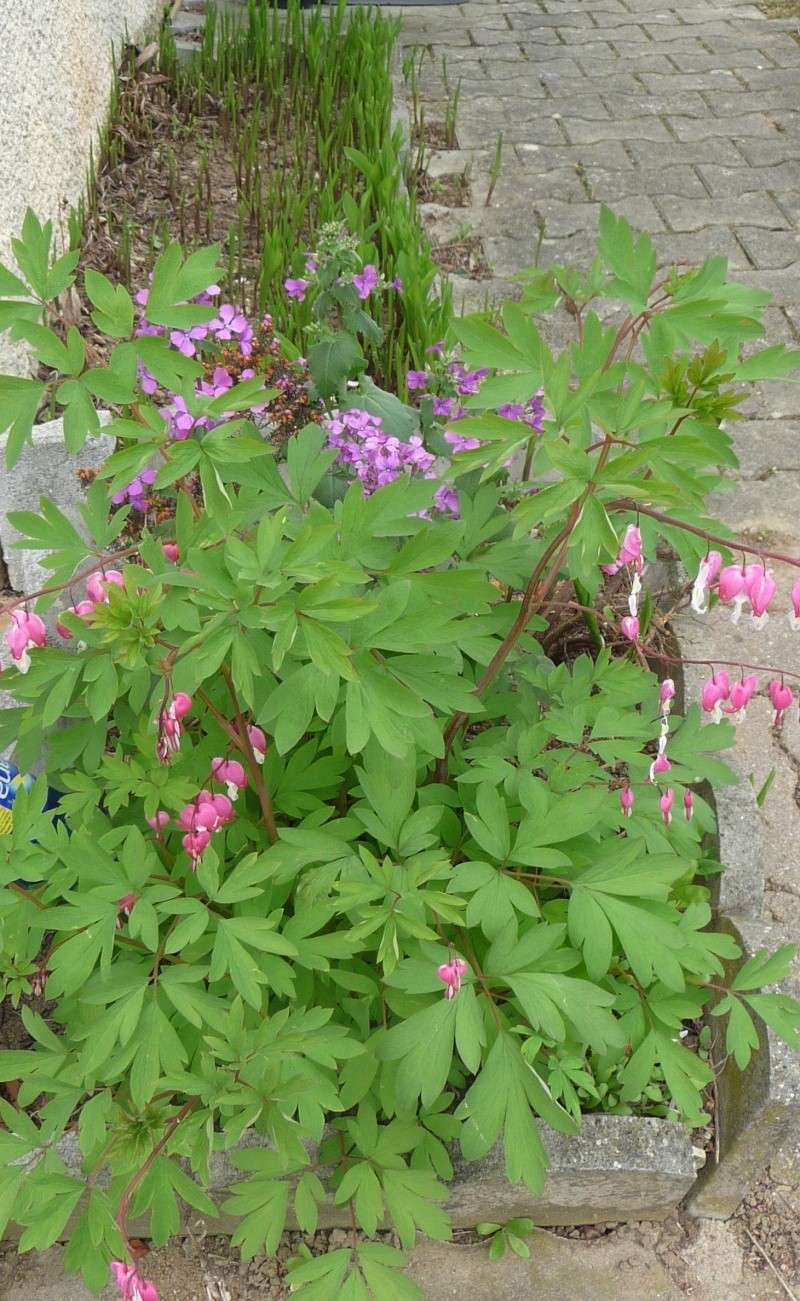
(731, 583)
(630, 553)
(160, 821)
(181, 704)
(688, 805)
(707, 572)
(741, 694)
(187, 816)
(629, 627)
(231, 772)
(258, 742)
(130, 1283)
(660, 764)
(666, 693)
(781, 697)
(206, 817)
(665, 804)
(195, 842)
(761, 591)
(626, 798)
(171, 552)
(450, 973)
(80, 611)
(125, 907)
(717, 689)
(223, 807)
(794, 613)
(26, 632)
(97, 585)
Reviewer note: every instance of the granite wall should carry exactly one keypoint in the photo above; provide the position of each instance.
(55, 80)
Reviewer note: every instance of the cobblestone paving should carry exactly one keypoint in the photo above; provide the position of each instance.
(684, 117)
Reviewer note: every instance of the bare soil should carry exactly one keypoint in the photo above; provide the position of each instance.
(463, 257)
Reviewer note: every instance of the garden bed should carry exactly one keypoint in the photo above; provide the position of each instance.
(257, 139)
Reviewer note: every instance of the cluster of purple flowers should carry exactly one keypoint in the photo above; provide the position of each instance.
(377, 457)
(448, 407)
(136, 491)
(230, 326)
(530, 412)
(366, 281)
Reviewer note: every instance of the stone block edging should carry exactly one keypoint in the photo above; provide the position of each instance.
(756, 1109)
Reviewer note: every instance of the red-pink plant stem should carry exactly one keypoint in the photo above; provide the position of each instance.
(137, 1178)
(100, 562)
(733, 664)
(731, 544)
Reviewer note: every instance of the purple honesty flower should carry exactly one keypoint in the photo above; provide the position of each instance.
(136, 491)
(443, 406)
(232, 324)
(147, 382)
(512, 411)
(436, 349)
(417, 380)
(531, 412)
(373, 455)
(470, 381)
(397, 284)
(460, 443)
(311, 265)
(184, 340)
(296, 289)
(446, 500)
(366, 281)
(221, 381)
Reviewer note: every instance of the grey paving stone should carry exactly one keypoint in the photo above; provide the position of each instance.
(539, 131)
(773, 250)
(762, 100)
(664, 18)
(491, 38)
(783, 53)
(480, 295)
(691, 151)
(607, 154)
(766, 78)
(551, 71)
(637, 59)
(712, 33)
(686, 102)
(631, 34)
(755, 209)
(569, 19)
(660, 83)
(586, 48)
(611, 187)
(518, 184)
(766, 446)
(705, 60)
(725, 182)
(766, 153)
(784, 285)
(581, 132)
(620, 82)
(692, 250)
(508, 256)
(748, 125)
(587, 106)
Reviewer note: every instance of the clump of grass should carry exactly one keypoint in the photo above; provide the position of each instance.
(279, 122)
